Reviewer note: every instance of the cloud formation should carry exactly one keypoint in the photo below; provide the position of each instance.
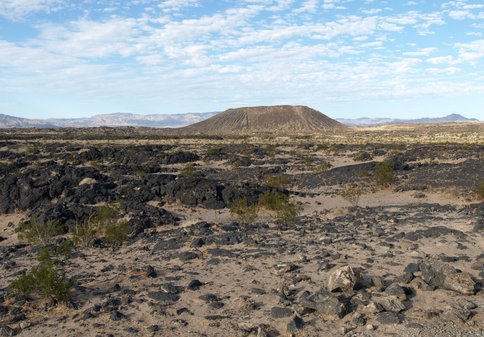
(249, 52)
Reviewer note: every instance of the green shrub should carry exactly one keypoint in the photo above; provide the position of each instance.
(243, 211)
(273, 201)
(384, 173)
(106, 214)
(323, 166)
(188, 170)
(288, 213)
(480, 190)
(84, 233)
(116, 233)
(270, 150)
(105, 222)
(352, 193)
(45, 280)
(277, 181)
(214, 151)
(40, 233)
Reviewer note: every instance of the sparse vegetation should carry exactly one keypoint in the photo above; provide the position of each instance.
(289, 212)
(273, 201)
(40, 233)
(277, 181)
(479, 190)
(188, 170)
(46, 279)
(352, 193)
(116, 233)
(105, 223)
(322, 166)
(243, 211)
(384, 173)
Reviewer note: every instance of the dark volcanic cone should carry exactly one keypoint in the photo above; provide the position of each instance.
(282, 119)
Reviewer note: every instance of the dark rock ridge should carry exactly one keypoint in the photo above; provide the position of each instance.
(290, 119)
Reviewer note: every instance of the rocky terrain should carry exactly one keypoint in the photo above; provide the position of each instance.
(371, 232)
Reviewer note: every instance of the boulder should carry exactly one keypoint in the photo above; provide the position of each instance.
(441, 275)
(325, 303)
(342, 279)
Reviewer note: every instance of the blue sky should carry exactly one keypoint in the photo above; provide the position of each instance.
(346, 58)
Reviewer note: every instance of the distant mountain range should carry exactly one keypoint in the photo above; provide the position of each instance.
(113, 120)
(364, 121)
(180, 120)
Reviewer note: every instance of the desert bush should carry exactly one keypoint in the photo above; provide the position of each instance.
(243, 211)
(352, 193)
(116, 233)
(105, 222)
(384, 173)
(41, 233)
(479, 190)
(85, 232)
(275, 181)
(273, 201)
(188, 170)
(288, 213)
(270, 150)
(45, 279)
(322, 166)
(214, 150)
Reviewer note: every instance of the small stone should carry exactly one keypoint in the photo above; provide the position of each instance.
(25, 325)
(187, 256)
(377, 283)
(294, 325)
(150, 272)
(116, 315)
(390, 303)
(397, 291)
(87, 181)
(154, 328)
(370, 308)
(261, 332)
(194, 285)
(7, 331)
(324, 302)
(370, 327)
(209, 298)
(342, 279)
(163, 298)
(389, 317)
(278, 312)
(170, 288)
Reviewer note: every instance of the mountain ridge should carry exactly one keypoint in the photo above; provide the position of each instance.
(366, 121)
(186, 119)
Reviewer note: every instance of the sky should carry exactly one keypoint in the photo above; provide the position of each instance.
(346, 58)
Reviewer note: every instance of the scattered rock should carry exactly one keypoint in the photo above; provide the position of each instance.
(194, 285)
(294, 325)
(163, 298)
(324, 302)
(278, 312)
(441, 275)
(389, 317)
(342, 279)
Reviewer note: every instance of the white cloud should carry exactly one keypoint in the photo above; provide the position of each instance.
(441, 60)
(177, 5)
(471, 52)
(18, 9)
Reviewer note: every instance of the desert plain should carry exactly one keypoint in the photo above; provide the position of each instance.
(365, 232)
